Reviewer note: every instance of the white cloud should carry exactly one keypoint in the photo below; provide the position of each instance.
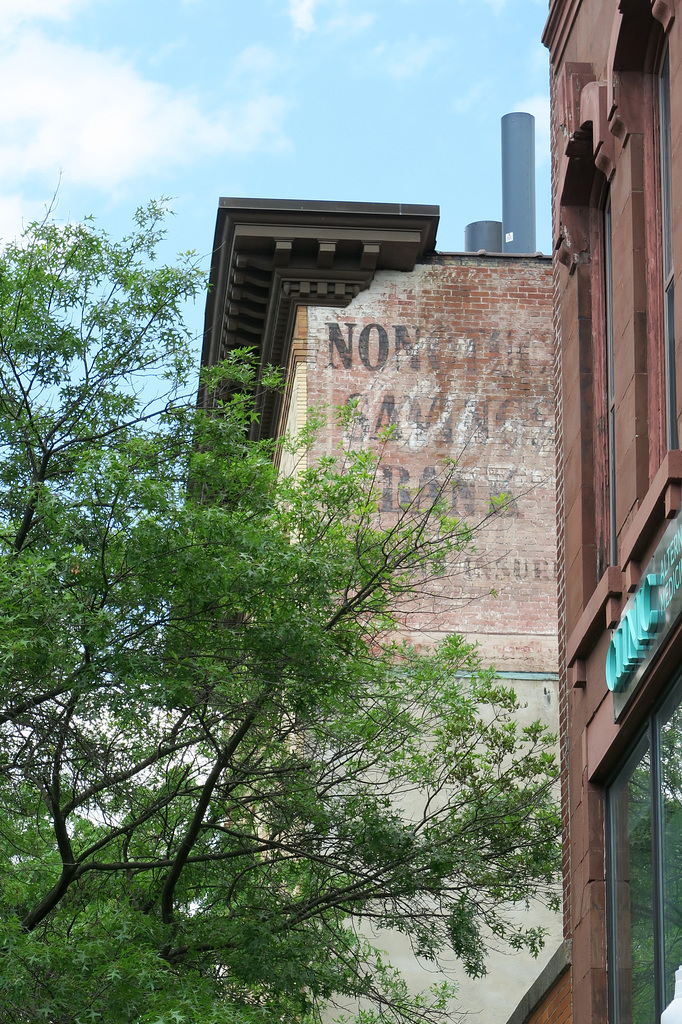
(348, 24)
(408, 58)
(497, 5)
(157, 58)
(257, 60)
(14, 12)
(345, 21)
(16, 213)
(538, 60)
(538, 106)
(26, 9)
(477, 96)
(92, 116)
(302, 14)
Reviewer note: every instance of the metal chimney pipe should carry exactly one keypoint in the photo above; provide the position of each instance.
(518, 183)
(483, 234)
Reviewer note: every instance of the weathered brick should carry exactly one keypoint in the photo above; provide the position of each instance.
(458, 356)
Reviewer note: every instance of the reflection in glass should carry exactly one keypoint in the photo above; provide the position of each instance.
(671, 844)
(631, 892)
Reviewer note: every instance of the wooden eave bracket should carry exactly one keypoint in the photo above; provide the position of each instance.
(370, 255)
(282, 254)
(326, 252)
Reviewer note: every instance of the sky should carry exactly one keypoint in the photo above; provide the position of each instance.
(110, 103)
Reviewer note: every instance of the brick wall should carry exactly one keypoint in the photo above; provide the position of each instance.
(555, 1008)
(560, 542)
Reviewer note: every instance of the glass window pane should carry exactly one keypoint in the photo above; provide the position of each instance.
(673, 441)
(631, 892)
(671, 844)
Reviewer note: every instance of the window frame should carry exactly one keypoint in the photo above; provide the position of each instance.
(610, 380)
(648, 739)
(668, 266)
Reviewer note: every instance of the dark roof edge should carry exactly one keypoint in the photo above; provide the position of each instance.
(327, 206)
(548, 977)
(501, 255)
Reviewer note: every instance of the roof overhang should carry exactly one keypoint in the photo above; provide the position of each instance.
(271, 255)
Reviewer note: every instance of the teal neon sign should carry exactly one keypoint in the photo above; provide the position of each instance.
(647, 618)
(631, 640)
(670, 565)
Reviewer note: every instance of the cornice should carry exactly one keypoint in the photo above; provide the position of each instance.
(558, 27)
(270, 256)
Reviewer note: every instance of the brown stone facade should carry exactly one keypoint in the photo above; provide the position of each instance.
(615, 151)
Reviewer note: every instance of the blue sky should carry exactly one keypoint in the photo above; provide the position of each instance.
(363, 100)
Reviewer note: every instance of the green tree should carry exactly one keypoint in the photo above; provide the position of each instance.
(217, 755)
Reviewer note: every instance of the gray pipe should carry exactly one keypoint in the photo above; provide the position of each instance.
(483, 234)
(518, 183)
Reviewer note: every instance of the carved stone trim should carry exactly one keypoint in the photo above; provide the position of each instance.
(627, 115)
(570, 85)
(663, 11)
(573, 243)
(580, 102)
(594, 112)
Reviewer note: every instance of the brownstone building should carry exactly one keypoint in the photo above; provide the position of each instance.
(454, 353)
(616, 85)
